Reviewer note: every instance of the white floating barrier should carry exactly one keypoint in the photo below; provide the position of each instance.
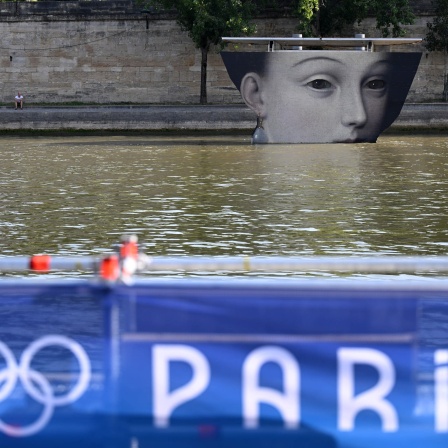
(144, 263)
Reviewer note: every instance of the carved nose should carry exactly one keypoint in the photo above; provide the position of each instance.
(354, 112)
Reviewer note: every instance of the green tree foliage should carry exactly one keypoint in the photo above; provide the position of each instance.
(323, 18)
(206, 21)
(437, 37)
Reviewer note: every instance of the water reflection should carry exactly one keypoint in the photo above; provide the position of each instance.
(221, 196)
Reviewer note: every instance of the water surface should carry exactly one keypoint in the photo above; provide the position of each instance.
(219, 195)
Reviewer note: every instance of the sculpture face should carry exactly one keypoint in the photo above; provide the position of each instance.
(323, 96)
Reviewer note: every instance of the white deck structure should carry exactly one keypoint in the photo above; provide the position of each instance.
(360, 43)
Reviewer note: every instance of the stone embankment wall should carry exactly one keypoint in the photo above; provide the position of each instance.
(236, 118)
(103, 52)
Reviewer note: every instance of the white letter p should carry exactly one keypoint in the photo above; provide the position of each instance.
(164, 401)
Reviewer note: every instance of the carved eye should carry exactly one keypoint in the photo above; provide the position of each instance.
(320, 84)
(376, 84)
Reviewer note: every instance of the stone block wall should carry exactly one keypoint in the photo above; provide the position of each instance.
(97, 62)
(109, 52)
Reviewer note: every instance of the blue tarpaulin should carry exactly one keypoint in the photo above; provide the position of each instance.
(224, 363)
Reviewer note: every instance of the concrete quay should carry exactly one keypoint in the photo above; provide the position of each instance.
(416, 117)
(127, 118)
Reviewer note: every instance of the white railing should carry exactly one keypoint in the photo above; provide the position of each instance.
(144, 263)
(357, 42)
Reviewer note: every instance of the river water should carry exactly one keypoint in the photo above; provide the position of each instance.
(219, 195)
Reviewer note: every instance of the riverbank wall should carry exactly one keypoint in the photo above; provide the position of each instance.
(217, 118)
(112, 52)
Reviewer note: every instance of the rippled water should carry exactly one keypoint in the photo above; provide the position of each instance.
(218, 195)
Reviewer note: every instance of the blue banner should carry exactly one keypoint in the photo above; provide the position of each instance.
(224, 363)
